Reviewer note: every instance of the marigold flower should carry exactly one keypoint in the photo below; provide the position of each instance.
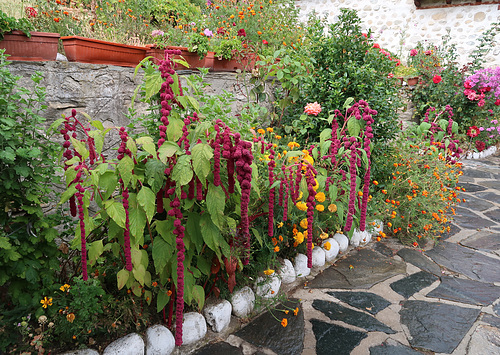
(375, 182)
(46, 302)
(327, 246)
(312, 108)
(276, 249)
(320, 208)
(154, 284)
(268, 272)
(303, 223)
(284, 322)
(280, 224)
(301, 205)
(169, 293)
(299, 238)
(323, 235)
(269, 129)
(261, 131)
(296, 311)
(332, 208)
(320, 197)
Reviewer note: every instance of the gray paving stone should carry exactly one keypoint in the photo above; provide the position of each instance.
(335, 311)
(334, 339)
(416, 258)
(496, 309)
(219, 348)
(436, 327)
(412, 284)
(361, 269)
(485, 341)
(491, 320)
(490, 196)
(494, 184)
(474, 203)
(392, 349)
(466, 291)
(484, 240)
(265, 331)
(474, 173)
(468, 219)
(367, 301)
(383, 249)
(494, 214)
(466, 261)
(471, 187)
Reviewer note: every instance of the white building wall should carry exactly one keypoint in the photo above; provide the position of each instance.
(397, 25)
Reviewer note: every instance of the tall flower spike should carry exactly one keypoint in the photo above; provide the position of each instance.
(352, 193)
(122, 151)
(271, 165)
(81, 215)
(311, 203)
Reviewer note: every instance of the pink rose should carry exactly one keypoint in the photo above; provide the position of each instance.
(413, 52)
(312, 109)
(437, 79)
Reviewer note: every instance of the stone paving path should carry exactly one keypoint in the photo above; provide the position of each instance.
(386, 299)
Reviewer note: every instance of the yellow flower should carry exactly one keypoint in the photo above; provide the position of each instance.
(46, 302)
(270, 129)
(286, 311)
(261, 131)
(320, 197)
(303, 223)
(332, 208)
(277, 137)
(308, 159)
(317, 185)
(301, 206)
(300, 196)
(323, 235)
(70, 317)
(284, 322)
(64, 287)
(320, 208)
(276, 249)
(299, 238)
(296, 311)
(327, 246)
(268, 272)
(280, 224)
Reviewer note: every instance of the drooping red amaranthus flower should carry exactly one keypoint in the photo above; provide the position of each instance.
(352, 194)
(122, 151)
(368, 134)
(81, 215)
(179, 233)
(243, 159)
(217, 152)
(298, 178)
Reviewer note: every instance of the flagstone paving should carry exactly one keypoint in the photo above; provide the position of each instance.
(387, 299)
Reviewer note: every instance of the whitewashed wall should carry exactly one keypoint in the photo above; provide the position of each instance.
(397, 25)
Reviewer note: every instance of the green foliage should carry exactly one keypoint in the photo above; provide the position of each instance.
(8, 24)
(199, 43)
(346, 63)
(29, 257)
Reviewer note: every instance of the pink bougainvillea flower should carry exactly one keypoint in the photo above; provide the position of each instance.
(437, 79)
(473, 131)
(242, 33)
(312, 108)
(413, 52)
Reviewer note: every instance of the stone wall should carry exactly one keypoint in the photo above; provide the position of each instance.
(397, 25)
(104, 91)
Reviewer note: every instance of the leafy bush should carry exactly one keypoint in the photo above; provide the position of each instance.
(29, 256)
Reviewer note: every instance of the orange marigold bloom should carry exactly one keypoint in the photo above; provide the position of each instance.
(284, 322)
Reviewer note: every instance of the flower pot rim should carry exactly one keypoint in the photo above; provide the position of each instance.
(93, 40)
(34, 33)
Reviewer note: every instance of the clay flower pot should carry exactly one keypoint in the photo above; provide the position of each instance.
(232, 65)
(88, 50)
(193, 59)
(412, 81)
(41, 46)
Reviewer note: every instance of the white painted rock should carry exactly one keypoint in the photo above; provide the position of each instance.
(131, 344)
(334, 249)
(82, 352)
(318, 256)
(159, 340)
(268, 286)
(218, 315)
(194, 328)
(376, 227)
(342, 240)
(356, 238)
(475, 155)
(243, 302)
(287, 272)
(301, 269)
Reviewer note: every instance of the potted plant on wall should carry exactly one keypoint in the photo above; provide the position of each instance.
(407, 73)
(21, 44)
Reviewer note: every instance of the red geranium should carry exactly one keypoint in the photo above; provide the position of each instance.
(473, 131)
(480, 146)
(31, 12)
(242, 33)
(437, 79)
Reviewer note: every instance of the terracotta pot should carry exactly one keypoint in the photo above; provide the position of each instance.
(221, 64)
(88, 50)
(412, 81)
(193, 59)
(41, 46)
